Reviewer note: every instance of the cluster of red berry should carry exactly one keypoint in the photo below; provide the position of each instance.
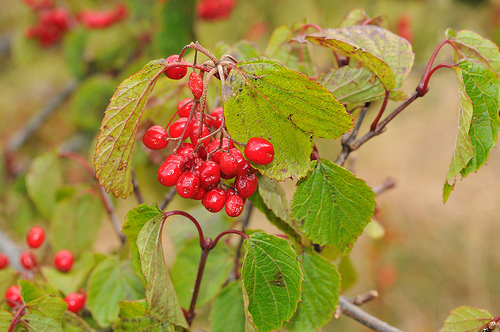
(63, 261)
(53, 22)
(213, 10)
(204, 169)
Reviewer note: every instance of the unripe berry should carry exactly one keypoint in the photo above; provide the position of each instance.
(28, 260)
(214, 200)
(155, 138)
(13, 296)
(195, 84)
(64, 260)
(246, 185)
(176, 72)
(234, 205)
(35, 237)
(259, 151)
(75, 301)
(4, 261)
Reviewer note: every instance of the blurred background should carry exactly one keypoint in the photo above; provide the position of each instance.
(428, 259)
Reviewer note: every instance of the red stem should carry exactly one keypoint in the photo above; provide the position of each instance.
(206, 247)
(190, 217)
(423, 85)
(80, 160)
(231, 231)
(16, 318)
(382, 109)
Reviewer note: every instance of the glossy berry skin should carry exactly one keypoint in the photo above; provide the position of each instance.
(214, 200)
(214, 145)
(188, 184)
(28, 260)
(175, 130)
(4, 261)
(13, 296)
(35, 237)
(200, 194)
(155, 138)
(234, 205)
(259, 151)
(75, 301)
(209, 173)
(245, 185)
(64, 260)
(168, 173)
(195, 84)
(194, 134)
(217, 113)
(184, 107)
(176, 72)
(228, 165)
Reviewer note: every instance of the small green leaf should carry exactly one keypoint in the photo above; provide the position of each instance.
(476, 47)
(320, 293)
(29, 291)
(228, 310)
(43, 180)
(76, 222)
(111, 281)
(74, 323)
(387, 55)
(37, 323)
(160, 293)
(271, 281)
(5, 320)
(134, 222)
(265, 99)
(134, 316)
(466, 319)
(116, 141)
(49, 306)
(333, 205)
(217, 269)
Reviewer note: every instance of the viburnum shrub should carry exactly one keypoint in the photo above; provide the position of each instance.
(221, 141)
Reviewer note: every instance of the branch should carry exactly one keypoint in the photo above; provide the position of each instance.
(356, 313)
(108, 204)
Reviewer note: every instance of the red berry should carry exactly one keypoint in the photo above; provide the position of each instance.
(155, 138)
(214, 200)
(195, 84)
(64, 260)
(168, 173)
(175, 130)
(188, 184)
(186, 149)
(176, 72)
(28, 260)
(35, 237)
(246, 169)
(75, 301)
(214, 147)
(209, 173)
(200, 194)
(194, 134)
(184, 107)
(259, 151)
(217, 113)
(4, 261)
(228, 165)
(234, 205)
(246, 185)
(213, 10)
(13, 296)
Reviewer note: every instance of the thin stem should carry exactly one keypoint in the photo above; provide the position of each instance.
(190, 217)
(137, 190)
(17, 317)
(108, 205)
(249, 208)
(201, 268)
(363, 317)
(349, 137)
(167, 198)
(422, 87)
(80, 160)
(231, 231)
(382, 109)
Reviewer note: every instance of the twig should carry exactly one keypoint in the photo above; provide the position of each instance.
(137, 190)
(246, 221)
(386, 185)
(356, 313)
(167, 198)
(112, 215)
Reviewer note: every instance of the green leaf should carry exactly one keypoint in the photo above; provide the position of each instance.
(8, 278)
(111, 281)
(355, 84)
(29, 291)
(473, 46)
(74, 323)
(479, 123)
(320, 293)
(332, 205)
(228, 310)
(5, 320)
(466, 319)
(116, 141)
(37, 323)
(219, 264)
(72, 281)
(265, 99)
(49, 306)
(76, 222)
(74, 51)
(242, 49)
(387, 55)
(160, 294)
(271, 281)
(134, 316)
(134, 222)
(43, 180)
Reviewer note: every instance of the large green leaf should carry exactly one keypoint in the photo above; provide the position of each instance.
(474, 46)
(265, 99)
(29, 291)
(271, 281)
(332, 205)
(219, 264)
(49, 306)
(111, 281)
(466, 319)
(5, 320)
(74, 323)
(116, 141)
(320, 292)
(479, 122)
(43, 180)
(37, 323)
(387, 55)
(228, 310)
(160, 294)
(76, 222)
(134, 222)
(134, 316)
